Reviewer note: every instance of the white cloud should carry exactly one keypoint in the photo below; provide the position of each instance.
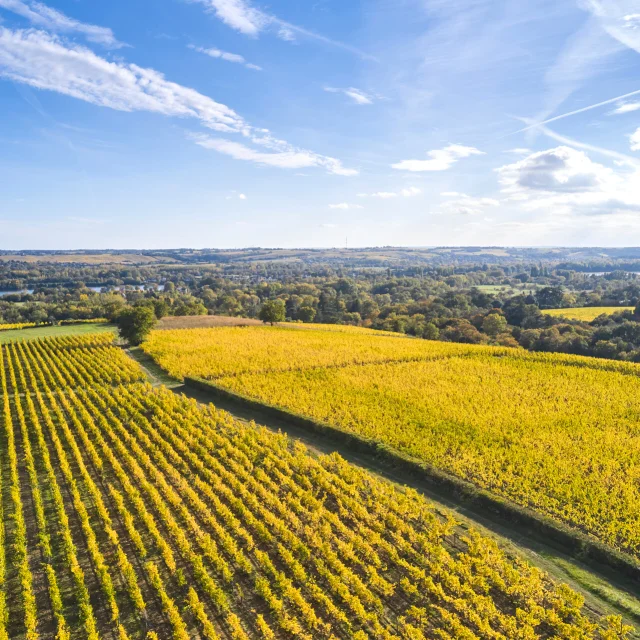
(558, 170)
(625, 107)
(242, 16)
(43, 61)
(288, 159)
(635, 141)
(570, 142)
(619, 18)
(238, 15)
(439, 160)
(565, 181)
(41, 15)
(519, 151)
(467, 205)
(384, 195)
(224, 55)
(357, 95)
(242, 196)
(409, 192)
(451, 194)
(345, 206)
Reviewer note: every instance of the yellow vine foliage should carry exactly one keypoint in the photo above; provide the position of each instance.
(586, 314)
(235, 532)
(556, 433)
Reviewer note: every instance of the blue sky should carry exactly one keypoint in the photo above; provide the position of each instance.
(227, 123)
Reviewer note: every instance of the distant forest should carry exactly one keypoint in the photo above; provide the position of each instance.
(488, 295)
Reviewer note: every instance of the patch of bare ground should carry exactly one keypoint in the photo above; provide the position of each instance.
(199, 322)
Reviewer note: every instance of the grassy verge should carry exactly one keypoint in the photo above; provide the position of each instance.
(619, 599)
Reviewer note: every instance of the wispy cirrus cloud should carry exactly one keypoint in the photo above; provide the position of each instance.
(238, 15)
(40, 15)
(635, 141)
(345, 206)
(43, 61)
(244, 17)
(290, 158)
(439, 160)
(625, 107)
(463, 204)
(409, 192)
(356, 95)
(224, 55)
(619, 18)
(587, 53)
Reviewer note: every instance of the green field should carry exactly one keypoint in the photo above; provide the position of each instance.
(45, 332)
(495, 289)
(586, 314)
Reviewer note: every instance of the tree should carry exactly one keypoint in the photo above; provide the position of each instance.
(306, 314)
(550, 297)
(161, 308)
(461, 330)
(272, 311)
(494, 324)
(431, 332)
(135, 324)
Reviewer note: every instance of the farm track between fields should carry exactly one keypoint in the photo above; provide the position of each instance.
(537, 549)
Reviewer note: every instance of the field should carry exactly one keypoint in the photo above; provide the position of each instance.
(555, 433)
(47, 331)
(86, 258)
(524, 289)
(586, 314)
(131, 512)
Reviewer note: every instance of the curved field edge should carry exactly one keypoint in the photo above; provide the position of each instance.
(589, 550)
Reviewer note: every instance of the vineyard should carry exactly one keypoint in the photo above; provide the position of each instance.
(131, 512)
(555, 433)
(586, 314)
(230, 351)
(15, 326)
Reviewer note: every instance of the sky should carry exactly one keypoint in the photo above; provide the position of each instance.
(232, 123)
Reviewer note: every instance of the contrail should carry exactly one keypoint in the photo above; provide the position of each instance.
(589, 147)
(577, 111)
(324, 39)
